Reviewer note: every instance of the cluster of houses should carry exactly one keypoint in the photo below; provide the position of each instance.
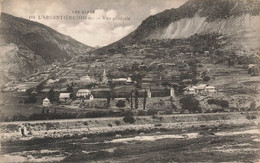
(202, 88)
(81, 94)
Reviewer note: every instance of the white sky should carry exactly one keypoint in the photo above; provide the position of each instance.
(91, 32)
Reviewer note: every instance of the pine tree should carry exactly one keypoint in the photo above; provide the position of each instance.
(132, 99)
(108, 99)
(136, 99)
(145, 97)
(51, 95)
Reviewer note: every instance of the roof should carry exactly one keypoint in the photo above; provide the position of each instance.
(84, 91)
(46, 100)
(201, 86)
(64, 95)
(210, 87)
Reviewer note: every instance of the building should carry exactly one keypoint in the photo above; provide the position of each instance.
(129, 80)
(172, 94)
(83, 93)
(91, 97)
(46, 102)
(149, 94)
(191, 91)
(85, 78)
(64, 96)
(202, 88)
(210, 89)
(104, 79)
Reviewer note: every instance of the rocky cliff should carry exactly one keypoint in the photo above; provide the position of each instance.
(236, 20)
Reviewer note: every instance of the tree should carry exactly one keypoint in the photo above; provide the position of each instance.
(112, 86)
(253, 106)
(190, 103)
(206, 78)
(120, 104)
(51, 95)
(145, 97)
(32, 98)
(108, 99)
(136, 99)
(39, 88)
(69, 88)
(128, 117)
(132, 91)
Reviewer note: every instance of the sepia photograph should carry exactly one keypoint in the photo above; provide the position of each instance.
(141, 81)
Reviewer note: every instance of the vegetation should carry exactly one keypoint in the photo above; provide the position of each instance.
(190, 103)
(136, 99)
(128, 118)
(120, 104)
(222, 103)
(145, 97)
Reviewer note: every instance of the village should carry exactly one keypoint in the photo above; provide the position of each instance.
(138, 82)
(147, 77)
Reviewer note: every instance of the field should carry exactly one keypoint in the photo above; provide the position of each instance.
(202, 138)
(226, 145)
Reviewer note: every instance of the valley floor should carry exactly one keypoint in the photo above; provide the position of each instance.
(218, 143)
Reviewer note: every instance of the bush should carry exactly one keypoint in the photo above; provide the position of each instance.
(249, 117)
(19, 117)
(168, 111)
(128, 113)
(222, 103)
(152, 112)
(190, 103)
(206, 78)
(117, 122)
(141, 112)
(129, 119)
(120, 104)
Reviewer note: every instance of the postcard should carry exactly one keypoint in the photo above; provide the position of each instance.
(129, 81)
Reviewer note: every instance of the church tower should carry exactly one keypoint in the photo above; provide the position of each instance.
(104, 79)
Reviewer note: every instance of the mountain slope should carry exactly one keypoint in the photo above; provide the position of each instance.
(236, 20)
(27, 46)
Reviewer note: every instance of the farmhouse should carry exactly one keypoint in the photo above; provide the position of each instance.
(127, 80)
(210, 89)
(83, 93)
(64, 96)
(46, 102)
(85, 78)
(200, 89)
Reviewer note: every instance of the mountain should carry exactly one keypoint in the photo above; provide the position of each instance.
(237, 21)
(28, 46)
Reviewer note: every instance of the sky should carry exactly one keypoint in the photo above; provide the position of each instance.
(91, 24)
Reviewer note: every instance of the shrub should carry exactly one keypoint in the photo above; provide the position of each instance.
(128, 113)
(141, 112)
(120, 104)
(117, 122)
(222, 103)
(190, 103)
(19, 117)
(249, 117)
(129, 119)
(168, 111)
(152, 112)
(206, 78)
